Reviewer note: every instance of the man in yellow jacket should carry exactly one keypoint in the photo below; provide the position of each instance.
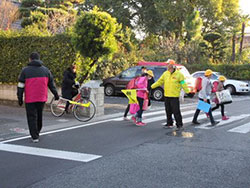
(173, 81)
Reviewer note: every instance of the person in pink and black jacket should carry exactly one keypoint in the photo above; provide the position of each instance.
(34, 81)
(142, 94)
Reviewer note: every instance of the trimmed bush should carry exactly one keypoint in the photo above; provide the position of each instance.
(56, 52)
(234, 71)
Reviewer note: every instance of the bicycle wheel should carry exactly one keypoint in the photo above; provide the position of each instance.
(83, 113)
(57, 107)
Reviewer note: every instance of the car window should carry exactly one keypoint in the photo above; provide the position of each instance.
(214, 77)
(129, 73)
(196, 75)
(158, 71)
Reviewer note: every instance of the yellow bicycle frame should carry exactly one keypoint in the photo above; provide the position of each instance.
(80, 104)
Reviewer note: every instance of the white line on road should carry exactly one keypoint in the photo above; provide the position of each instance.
(241, 129)
(57, 131)
(148, 113)
(232, 119)
(73, 156)
(164, 117)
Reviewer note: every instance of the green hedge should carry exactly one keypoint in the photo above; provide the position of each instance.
(234, 71)
(56, 52)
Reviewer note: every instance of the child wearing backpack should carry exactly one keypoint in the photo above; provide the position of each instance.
(130, 85)
(142, 94)
(220, 87)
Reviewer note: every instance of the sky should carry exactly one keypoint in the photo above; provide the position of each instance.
(245, 7)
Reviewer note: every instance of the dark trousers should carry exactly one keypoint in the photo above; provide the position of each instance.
(222, 108)
(196, 114)
(73, 94)
(172, 106)
(126, 111)
(34, 112)
(140, 111)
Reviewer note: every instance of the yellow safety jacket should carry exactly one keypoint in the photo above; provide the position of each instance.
(173, 82)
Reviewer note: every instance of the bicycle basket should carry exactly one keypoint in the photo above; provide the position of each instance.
(85, 92)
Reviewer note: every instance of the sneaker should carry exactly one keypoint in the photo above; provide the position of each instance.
(215, 123)
(168, 126)
(196, 122)
(225, 118)
(35, 140)
(125, 119)
(133, 118)
(140, 124)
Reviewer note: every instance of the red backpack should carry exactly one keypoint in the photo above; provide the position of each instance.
(198, 84)
(215, 86)
(132, 83)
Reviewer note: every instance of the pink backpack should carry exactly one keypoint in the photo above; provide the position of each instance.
(132, 83)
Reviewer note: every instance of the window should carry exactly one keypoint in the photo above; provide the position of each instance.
(129, 73)
(158, 71)
(214, 77)
(196, 75)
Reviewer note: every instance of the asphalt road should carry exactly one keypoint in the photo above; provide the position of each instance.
(109, 152)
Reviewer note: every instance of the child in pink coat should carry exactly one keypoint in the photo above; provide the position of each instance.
(142, 94)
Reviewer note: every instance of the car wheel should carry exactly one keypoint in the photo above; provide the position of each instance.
(231, 89)
(109, 90)
(158, 94)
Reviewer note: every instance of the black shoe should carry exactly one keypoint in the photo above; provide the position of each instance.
(168, 126)
(215, 123)
(196, 122)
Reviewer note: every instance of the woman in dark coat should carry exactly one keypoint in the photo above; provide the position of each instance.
(69, 85)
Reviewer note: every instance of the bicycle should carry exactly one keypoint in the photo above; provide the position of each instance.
(82, 107)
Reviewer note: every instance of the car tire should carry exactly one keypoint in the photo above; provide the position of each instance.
(158, 94)
(109, 90)
(231, 89)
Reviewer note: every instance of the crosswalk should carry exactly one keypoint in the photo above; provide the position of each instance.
(241, 122)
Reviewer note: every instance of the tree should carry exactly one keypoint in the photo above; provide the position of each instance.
(8, 14)
(245, 19)
(60, 14)
(193, 26)
(94, 37)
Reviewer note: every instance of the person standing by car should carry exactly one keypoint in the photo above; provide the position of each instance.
(151, 81)
(143, 70)
(69, 85)
(205, 95)
(220, 87)
(34, 81)
(173, 81)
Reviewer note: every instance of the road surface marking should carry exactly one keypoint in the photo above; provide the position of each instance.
(164, 117)
(57, 131)
(241, 129)
(230, 120)
(146, 114)
(58, 154)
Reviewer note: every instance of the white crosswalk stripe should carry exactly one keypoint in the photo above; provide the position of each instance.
(150, 117)
(241, 129)
(232, 119)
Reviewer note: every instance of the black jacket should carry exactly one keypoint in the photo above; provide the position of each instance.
(68, 83)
